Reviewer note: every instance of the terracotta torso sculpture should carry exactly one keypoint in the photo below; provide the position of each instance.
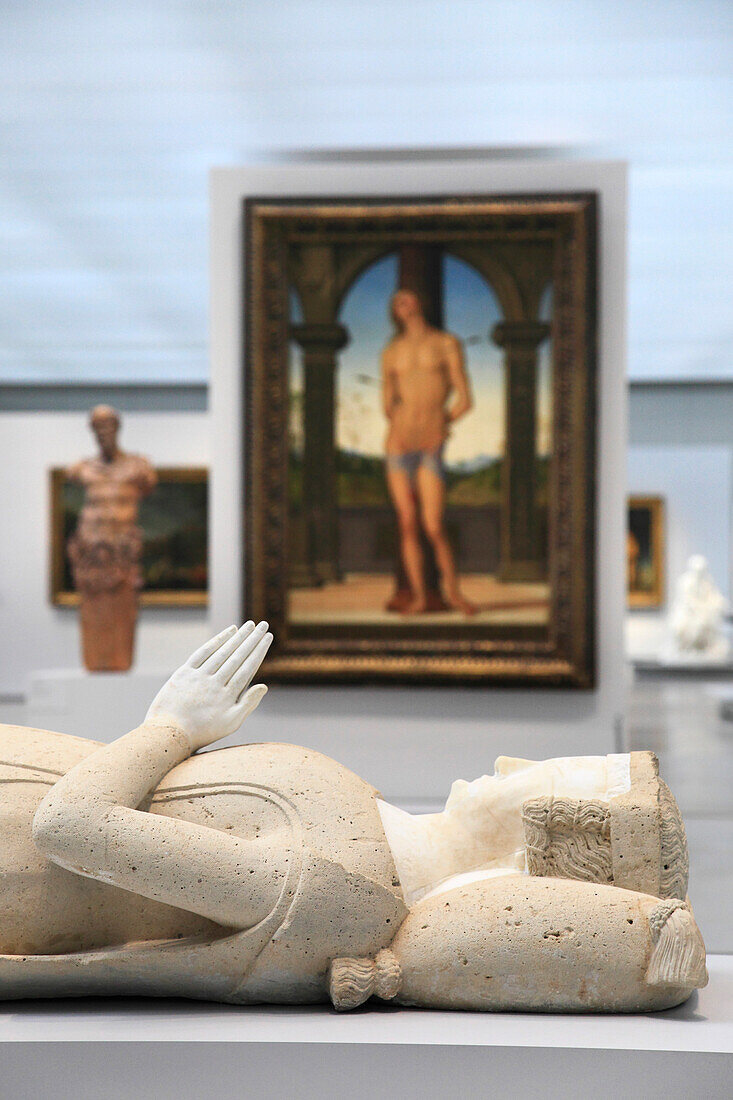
(269, 873)
(106, 548)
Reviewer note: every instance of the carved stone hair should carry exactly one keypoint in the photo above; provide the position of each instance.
(351, 982)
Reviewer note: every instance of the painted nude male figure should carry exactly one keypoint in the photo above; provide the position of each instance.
(422, 369)
(106, 548)
(269, 873)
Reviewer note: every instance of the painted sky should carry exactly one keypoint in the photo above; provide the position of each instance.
(470, 312)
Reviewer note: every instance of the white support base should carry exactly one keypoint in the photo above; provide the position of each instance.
(181, 1049)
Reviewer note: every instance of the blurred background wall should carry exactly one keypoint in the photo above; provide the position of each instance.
(112, 115)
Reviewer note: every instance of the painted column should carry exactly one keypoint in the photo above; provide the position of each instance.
(521, 552)
(321, 344)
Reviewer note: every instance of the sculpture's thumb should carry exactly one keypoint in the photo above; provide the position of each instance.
(251, 700)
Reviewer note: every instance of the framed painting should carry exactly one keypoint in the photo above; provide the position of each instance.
(174, 522)
(419, 437)
(645, 551)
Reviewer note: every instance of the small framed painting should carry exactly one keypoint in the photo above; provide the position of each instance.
(174, 523)
(645, 551)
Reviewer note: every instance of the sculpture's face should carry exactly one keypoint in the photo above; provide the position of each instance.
(462, 793)
(106, 429)
(698, 565)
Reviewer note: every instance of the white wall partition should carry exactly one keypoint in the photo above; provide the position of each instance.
(412, 741)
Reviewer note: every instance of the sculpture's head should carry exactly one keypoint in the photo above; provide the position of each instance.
(698, 565)
(105, 423)
(404, 305)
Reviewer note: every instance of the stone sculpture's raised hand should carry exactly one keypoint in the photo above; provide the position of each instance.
(209, 696)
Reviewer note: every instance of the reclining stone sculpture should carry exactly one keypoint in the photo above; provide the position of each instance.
(270, 873)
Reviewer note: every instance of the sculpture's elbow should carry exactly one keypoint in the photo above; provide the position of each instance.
(60, 833)
(49, 828)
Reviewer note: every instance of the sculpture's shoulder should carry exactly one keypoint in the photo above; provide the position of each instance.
(139, 462)
(137, 469)
(446, 341)
(84, 471)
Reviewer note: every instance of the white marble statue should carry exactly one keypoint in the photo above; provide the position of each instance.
(697, 616)
(270, 873)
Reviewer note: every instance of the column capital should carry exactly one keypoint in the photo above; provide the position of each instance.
(320, 337)
(526, 334)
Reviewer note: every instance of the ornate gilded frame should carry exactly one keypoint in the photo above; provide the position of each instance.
(654, 599)
(61, 596)
(566, 657)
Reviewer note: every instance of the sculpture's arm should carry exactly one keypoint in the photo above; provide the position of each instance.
(75, 472)
(147, 478)
(88, 822)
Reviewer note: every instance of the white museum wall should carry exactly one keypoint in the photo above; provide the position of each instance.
(696, 485)
(33, 633)
(409, 740)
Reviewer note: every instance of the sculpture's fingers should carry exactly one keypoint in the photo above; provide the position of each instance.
(250, 701)
(239, 655)
(197, 659)
(217, 659)
(243, 677)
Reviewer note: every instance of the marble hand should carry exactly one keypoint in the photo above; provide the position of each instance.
(210, 696)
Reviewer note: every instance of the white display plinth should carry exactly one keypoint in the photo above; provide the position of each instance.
(184, 1049)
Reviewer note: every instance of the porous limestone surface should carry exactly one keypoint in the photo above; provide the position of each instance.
(531, 943)
(263, 873)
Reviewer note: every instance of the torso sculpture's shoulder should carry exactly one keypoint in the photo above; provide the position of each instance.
(137, 469)
(84, 471)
